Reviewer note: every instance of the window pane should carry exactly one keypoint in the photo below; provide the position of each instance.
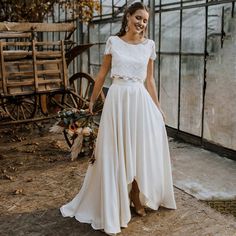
(170, 27)
(192, 74)
(169, 88)
(193, 30)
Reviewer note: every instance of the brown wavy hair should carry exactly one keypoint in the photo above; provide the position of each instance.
(131, 10)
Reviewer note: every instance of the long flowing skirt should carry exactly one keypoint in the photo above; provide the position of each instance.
(131, 144)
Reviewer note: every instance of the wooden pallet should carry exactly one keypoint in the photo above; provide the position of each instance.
(32, 67)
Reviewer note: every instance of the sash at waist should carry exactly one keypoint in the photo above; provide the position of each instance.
(127, 79)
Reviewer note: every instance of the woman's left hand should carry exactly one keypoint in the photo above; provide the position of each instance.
(91, 107)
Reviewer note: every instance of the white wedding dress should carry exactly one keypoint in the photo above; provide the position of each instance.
(131, 144)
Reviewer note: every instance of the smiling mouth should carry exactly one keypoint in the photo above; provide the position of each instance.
(138, 27)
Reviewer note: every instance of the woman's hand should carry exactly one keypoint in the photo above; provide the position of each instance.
(91, 107)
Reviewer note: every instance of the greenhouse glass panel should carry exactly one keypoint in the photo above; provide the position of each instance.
(215, 17)
(94, 70)
(94, 54)
(220, 112)
(214, 20)
(106, 7)
(115, 27)
(101, 54)
(119, 3)
(229, 22)
(170, 28)
(169, 84)
(105, 30)
(213, 44)
(170, 4)
(156, 27)
(170, 1)
(94, 33)
(192, 74)
(147, 2)
(192, 3)
(193, 30)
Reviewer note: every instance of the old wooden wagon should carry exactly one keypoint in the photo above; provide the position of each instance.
(34, 74)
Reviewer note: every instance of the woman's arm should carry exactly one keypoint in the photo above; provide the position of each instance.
(151, 86)
(99, 80)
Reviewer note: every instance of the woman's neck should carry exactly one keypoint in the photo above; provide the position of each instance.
(133, 37)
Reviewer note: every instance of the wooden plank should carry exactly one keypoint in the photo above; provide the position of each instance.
(25, 63)
(48, 54)
(35, 66)
(16, 43)
(16, 55)
(20, 73)
(20, 83)
(65, 72)
(31, 82)
(11, 122)
(47, 43)
(10, 94)
(37, 27)
(30, 62)
(48, 72)
(12, 35)
(31, 73)
(3, 70)
(54, 81)
(45, 62)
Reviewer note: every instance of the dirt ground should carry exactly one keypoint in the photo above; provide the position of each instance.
(37, 177)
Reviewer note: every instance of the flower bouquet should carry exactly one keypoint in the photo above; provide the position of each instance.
(80, 131)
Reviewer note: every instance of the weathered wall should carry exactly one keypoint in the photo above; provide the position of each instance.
(220, 106)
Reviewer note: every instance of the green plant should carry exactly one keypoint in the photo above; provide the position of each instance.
(37, 10)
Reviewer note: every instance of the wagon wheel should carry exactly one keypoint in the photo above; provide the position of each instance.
(3, 113)
(81, 85)
(50, 103)
(21, 107)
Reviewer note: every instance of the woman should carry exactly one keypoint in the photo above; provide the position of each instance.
(132, 155)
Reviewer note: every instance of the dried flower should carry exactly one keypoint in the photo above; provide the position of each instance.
(86, 131)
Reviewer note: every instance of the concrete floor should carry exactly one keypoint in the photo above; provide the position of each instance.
(201, 173)
(48, 180)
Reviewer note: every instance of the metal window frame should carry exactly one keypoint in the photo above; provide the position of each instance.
(179, 6)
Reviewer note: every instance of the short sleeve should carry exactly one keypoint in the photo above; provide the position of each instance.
(107, 50)
(153, 51)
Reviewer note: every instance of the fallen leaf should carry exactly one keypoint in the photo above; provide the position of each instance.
(12, 168)
(29, 179)
(18, 191)
(8, 177)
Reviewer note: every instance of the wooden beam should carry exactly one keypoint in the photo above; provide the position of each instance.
(35, 67)
(64, 65)
(12, 35)
(3, 71)
(37, 27)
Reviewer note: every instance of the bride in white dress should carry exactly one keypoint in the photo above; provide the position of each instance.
(132, 153)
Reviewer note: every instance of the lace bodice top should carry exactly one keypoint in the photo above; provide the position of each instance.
(130, 61)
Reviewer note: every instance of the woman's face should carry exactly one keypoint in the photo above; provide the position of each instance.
(138, 21)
